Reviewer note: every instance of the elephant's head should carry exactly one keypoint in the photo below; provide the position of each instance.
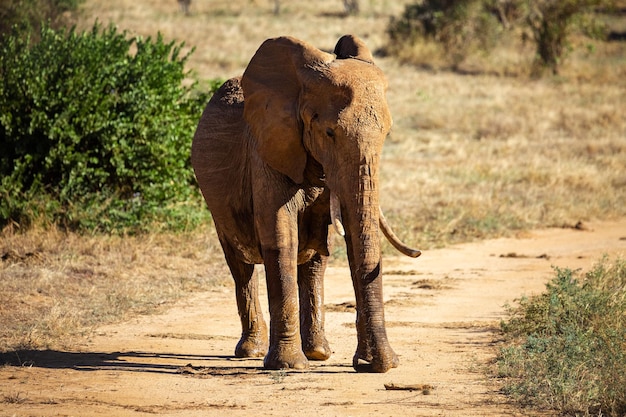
(331, 108)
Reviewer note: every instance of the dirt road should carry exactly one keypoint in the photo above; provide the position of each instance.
(442, 312)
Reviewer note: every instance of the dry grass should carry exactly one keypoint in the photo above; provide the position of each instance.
(470, 156)
(227, 33)
(56, 286)
(478, 156)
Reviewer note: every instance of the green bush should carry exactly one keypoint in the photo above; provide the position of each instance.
(95, 131)
(566, 348)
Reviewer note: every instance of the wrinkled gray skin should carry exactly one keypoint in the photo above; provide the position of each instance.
(313, 124)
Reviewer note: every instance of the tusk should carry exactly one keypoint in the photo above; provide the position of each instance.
(335, 214)
(393, 239)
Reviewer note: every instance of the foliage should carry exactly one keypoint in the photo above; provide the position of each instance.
(95, 131)
(460, 25)
(566, 348)
(464, 26)
(26, 16)
(550, 22)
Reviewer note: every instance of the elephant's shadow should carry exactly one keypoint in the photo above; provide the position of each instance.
(150, 362)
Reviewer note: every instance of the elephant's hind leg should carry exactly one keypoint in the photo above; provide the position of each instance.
(311, 288)
(254, 342)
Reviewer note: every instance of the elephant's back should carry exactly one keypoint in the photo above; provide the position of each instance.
(218, 151)
(221, 125)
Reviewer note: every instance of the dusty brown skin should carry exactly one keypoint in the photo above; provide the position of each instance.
(313, 124)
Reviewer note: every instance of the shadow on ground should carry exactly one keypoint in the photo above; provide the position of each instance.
(150, 362)
(119, 361)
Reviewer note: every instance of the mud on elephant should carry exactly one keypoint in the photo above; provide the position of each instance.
(281, 153)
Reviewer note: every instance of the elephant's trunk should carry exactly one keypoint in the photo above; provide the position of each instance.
(363, 230)
(360, 209)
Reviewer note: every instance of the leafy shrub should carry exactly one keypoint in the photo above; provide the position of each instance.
(461, 26)
(95, 131)
(566, 348)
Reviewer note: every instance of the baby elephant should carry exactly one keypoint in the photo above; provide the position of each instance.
(281, 153)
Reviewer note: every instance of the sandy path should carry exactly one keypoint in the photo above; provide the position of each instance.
(442, 312)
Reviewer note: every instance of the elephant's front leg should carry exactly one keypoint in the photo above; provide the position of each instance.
(278, 235)
(311, 287)
(285, 350)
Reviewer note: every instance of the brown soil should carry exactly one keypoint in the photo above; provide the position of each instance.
(442, 312)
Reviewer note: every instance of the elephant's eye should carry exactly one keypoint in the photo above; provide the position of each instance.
(330, 133)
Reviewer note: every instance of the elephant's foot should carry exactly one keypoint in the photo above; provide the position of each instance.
(285, 357)
(252, 346)
(317, 349)
(380, 361)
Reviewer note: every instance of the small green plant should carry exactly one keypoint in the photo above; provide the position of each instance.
(95, 131)
(566, 348)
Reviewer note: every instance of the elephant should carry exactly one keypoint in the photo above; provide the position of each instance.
(281, 153)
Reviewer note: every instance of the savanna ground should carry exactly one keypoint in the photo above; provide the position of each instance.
(532, 171)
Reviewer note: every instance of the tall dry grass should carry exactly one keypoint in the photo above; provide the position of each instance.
(470, 156)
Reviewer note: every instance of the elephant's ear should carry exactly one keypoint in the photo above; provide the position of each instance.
(349, 46)
(272, 83)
